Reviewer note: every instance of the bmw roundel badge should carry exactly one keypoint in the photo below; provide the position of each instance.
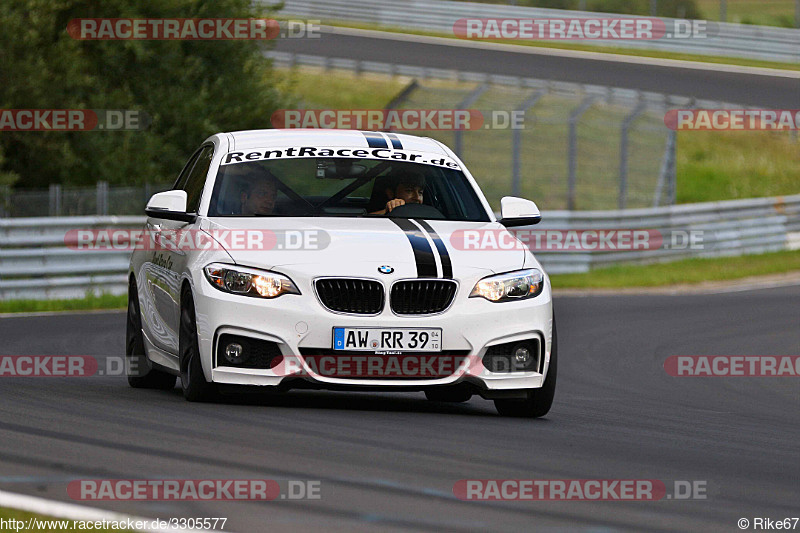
(385, 269)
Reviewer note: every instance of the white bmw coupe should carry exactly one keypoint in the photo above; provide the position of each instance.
(342, 260)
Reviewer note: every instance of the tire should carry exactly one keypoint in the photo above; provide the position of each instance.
(193, 381)
(140, 373)
(453, 394)
(539, 400)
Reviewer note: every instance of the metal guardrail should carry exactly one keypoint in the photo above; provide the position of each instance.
(35, 262)
(726, 39)
(729, 228)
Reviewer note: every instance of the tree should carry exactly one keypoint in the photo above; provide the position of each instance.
(190, 89)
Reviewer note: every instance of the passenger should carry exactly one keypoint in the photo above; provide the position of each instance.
(258, 195)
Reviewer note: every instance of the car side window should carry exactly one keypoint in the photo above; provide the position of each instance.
(187, 168)
(196, 179)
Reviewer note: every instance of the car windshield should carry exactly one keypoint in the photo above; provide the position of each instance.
(344, 187)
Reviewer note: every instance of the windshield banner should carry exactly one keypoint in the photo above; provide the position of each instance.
(356, 153)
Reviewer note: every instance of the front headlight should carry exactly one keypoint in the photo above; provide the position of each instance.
(510, 286)
(249, 281)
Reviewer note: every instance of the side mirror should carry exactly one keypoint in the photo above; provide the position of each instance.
(518, 212)
(169, 205)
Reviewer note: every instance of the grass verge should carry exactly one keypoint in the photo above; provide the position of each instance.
(89, 302)
(339, 89)
(763, 12)
(729, 165)
(688, 271)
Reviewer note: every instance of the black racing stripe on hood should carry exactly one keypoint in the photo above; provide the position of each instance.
(423, 254)
(395, 141)
(375, 140)
(444, 255)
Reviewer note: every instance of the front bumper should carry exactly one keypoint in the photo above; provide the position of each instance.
(298, 323)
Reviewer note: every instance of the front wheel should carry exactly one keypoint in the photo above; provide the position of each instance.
(193, 381)
(540, 400)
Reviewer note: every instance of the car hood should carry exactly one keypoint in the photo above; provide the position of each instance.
(360, 246)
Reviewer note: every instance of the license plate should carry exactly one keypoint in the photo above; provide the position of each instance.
(388, 339)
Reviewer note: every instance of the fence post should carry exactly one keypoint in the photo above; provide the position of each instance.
(723, 10)
(399, 100)
(623, 153)
(516, 143)
(465, 104)
(55, 200)
(572, 154)
(672, 183)
(402, 96)
(668, 174)
(797, 15)
(102, 198)
(653, 8)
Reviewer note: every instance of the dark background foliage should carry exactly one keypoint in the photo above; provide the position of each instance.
(190, 89)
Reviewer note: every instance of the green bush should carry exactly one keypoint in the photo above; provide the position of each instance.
(190, 89)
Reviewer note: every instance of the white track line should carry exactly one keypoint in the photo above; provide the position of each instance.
(70, 511)
(557, 52)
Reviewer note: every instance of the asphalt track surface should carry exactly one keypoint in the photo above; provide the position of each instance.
(734, 87)
(389, 461)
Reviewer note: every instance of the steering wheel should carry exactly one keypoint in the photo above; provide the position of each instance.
(415, 211)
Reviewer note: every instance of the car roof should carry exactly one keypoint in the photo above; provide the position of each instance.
(242, 140)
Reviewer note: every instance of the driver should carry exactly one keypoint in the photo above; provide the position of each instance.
(258, 195)
(405, 187)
